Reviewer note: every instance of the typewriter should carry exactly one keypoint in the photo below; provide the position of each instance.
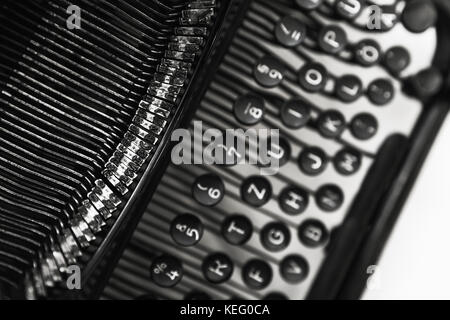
(121, 169)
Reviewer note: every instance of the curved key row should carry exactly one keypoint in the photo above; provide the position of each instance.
(226, 231)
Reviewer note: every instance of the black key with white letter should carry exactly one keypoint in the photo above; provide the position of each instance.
(332, 39)
(275, 236)
(313, 234)
(293, 200)
(348, 88)
(237, 229)
(217, 268)
(313, 77)
(331, 124)
(290, 32)
(329, 198)
(257, 274)
(256, 191)
(295, 114)
(294, 269)
(312, 161)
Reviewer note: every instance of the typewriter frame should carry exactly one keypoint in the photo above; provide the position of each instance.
(338, 278)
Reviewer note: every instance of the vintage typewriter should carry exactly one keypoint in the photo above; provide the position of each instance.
(92, 95)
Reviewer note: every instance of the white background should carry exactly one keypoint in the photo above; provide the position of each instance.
(416, 261)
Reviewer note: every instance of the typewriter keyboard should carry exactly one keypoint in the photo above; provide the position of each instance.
(335, 89)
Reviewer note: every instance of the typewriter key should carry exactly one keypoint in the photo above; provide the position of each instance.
(295, 114)
(397, 59)
(313, 77)
(294, 269)
(256, 191)
(347, 161)
(331, 124)
(293, 200)
(237, 229)
(290, 32)
(364, 126)
(166, 271)
(348, 88)
(217, 268)
(312, 161)
(367, 52)
(312, 233)
(381, 92)
(329, 198)
(332, 39)
(208, 190)
(349, 9)
(186, 230)
(275, 236)
(249, 110)
(269, 72)
(257, 274)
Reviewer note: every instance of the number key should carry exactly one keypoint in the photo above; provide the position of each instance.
(186, 230)
(269, 72)
(208, 190)
(249, 109)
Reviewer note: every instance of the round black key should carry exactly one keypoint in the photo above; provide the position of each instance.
(294, 269)
(217, 268)
(275, 237)
(312, 161)
(364, 126)
(331, 124)
(313, 77)
(186, 230)
(329, 198)
(257, 274)
(426, 83)
(308, 4)
(397, 59)
(237, 229)
(290, 32)
(166, 271)
(367, 52)
(293, 200)
(295, 114)
(347, 161)
(381, 91)
(280, 152)
(256, 191)
(349, 9)
(269, 72)
(249, 109)
(332, 39)
(313, 233)
(197, 295)
(275, 296)
(348, 88)
(208, 190)
(419, 15)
